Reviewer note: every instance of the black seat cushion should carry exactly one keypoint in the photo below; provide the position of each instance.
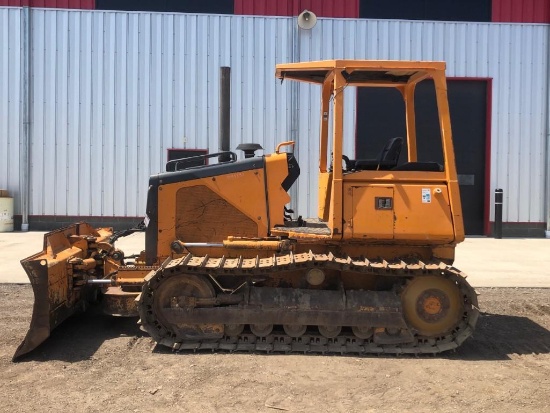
(419, 166)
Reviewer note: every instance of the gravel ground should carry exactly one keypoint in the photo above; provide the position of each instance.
(94, 363)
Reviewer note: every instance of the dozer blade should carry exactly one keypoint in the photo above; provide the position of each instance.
(57, 293)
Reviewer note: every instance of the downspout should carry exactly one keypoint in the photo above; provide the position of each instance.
(294, 105)
(25, 141)
(547, 233)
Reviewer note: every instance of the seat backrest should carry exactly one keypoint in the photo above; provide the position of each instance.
(386, 159)
(391, 151)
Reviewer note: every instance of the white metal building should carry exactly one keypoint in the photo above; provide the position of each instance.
(109, 92)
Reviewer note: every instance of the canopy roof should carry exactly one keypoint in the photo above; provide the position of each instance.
(396, 72)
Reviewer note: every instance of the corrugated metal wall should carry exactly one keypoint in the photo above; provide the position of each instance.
(526, 11)
(520, 11)
(10, 100)
(113, 90)
(322, 8)
(61, 4)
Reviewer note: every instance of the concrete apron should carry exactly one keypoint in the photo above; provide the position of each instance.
(488, 262)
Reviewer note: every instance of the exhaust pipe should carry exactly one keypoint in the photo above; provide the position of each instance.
(225, 113)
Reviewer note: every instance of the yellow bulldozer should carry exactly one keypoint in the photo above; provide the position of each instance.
(227, 268)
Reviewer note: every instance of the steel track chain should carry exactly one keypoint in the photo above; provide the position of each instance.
(311, 342)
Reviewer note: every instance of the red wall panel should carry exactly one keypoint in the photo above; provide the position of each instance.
(322, 8)
(521, 11)
(61, 4)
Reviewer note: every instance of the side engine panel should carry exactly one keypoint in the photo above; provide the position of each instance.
(204, 215)
(211, 203)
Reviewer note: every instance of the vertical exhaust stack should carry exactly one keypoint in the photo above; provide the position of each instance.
(225, 113)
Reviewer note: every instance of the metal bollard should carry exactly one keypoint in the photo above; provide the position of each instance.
(498, 213)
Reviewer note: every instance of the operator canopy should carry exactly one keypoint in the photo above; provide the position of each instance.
(360, 71)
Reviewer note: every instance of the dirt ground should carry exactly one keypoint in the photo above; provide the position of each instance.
(94, 363)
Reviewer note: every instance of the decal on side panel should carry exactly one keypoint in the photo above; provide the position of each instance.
(426, 196)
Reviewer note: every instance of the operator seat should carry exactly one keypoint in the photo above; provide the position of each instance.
(386, 159)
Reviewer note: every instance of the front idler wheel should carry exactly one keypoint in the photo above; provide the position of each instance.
(164, 308)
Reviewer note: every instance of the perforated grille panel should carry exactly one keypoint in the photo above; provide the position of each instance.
(203, 216)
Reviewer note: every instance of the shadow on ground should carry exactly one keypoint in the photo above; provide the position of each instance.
(79, 337)
(499, 336)
(496, 338)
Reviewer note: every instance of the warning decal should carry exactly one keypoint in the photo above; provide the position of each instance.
(426, 196)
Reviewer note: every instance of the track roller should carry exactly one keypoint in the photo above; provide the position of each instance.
(295, 330)
(233, 330)
(330, 331)
(362, 332)
(261, 330)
